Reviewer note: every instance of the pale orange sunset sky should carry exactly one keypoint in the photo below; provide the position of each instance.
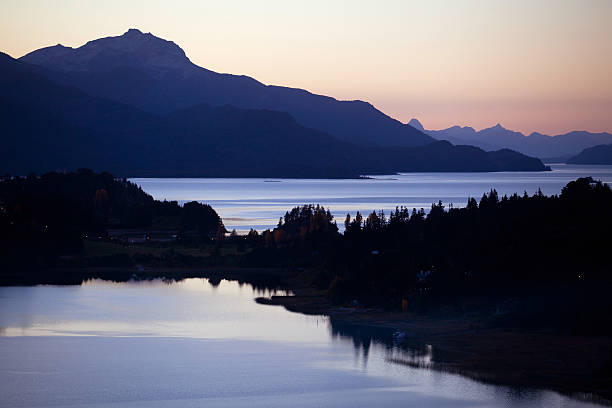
(531, 65)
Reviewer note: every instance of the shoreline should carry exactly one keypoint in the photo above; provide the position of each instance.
(576, 366)
(78, 275)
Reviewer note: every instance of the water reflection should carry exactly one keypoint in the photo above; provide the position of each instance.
(195, 308)
(255, 203)
(206, 342)
(393, 343)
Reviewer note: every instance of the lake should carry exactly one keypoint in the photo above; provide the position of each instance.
(258, 203)
(193, 344)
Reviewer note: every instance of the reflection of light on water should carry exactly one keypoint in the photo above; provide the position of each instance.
(385, 342)
(412, 357)
(253, 203)
(190, 308)
(225, 340)
(190, 284)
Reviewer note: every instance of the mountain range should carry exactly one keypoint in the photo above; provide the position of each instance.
(559, 147)
(135, 105)
(156, 76)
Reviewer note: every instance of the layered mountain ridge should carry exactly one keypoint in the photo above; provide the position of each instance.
(156, 76)
(535, 144)
(86, 107)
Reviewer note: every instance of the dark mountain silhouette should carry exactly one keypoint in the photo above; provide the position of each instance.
(536, 144)
(156, 76)
(600, 154)
(49, 126)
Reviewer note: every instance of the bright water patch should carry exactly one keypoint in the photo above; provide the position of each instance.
(193, 344)
(258, 203)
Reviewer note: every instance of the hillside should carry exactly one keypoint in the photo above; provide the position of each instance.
(48, 126)
(601, 154)
(155, 75)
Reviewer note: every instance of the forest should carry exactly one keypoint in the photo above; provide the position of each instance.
(47, 218)
(551, 252)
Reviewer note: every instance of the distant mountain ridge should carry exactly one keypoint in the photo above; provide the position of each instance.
(47, 125)
(536, 144)
(156, 76)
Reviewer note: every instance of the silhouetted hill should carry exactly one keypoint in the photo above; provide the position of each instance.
(46, 217)
(443, 156)
(601, 154)
(156, 76)
(47, 126)
(536, 144)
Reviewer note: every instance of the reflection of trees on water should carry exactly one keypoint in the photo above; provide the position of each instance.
(262, 286)
(361, 336)
(265, 285)
(396, 348)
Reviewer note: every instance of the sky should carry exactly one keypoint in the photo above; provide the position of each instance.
(541, 65)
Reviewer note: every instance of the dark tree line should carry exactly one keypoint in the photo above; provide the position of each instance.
(493, 246)
(44, 217)
(496, 244)
(303, 237)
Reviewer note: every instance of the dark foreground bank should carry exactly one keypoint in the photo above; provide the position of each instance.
(474, 344)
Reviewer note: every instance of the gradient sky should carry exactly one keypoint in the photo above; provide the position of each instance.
(539, 65)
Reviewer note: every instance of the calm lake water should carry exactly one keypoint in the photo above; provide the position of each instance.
(258, 203)
(193, 344)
